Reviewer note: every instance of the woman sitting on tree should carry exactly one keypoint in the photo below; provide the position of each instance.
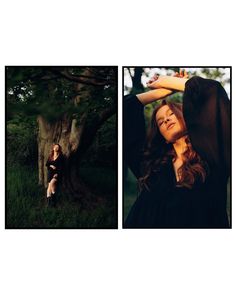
(184, 163)
(55, 170)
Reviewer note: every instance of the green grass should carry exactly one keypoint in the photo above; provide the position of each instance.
(26, 206)
(101, 179)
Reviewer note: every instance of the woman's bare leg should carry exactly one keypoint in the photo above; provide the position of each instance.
(49, 191)
(53, 184)
(51, 187)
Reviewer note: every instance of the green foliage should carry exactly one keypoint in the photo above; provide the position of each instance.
(22, 141)
(99, 179)
(104, 147)
(218, 74)
(211, 73)
(26, 206)
(45, 91)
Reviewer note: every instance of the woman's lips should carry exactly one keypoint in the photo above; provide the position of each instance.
(170, 126)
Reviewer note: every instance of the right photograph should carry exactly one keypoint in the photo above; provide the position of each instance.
(177, 147)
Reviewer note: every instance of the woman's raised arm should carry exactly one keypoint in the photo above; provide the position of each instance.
(169, 82)
(153, 95)
(163, 86)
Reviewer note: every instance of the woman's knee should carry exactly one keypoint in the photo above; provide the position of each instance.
(53, 182)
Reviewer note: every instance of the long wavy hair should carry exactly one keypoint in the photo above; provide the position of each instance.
(51, 155)
(158, 153)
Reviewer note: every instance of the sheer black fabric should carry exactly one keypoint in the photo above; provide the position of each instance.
(206, 110)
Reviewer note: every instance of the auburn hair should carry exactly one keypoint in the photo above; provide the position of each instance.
(51, 155)
(158, 153)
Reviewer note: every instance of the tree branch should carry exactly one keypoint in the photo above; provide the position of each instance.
(81, 78)
(130, 74)
(91, 130)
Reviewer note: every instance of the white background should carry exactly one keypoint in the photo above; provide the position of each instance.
(145, 33)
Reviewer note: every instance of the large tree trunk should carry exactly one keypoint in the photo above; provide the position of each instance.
(67, 132)
(75, 133)
(75, 136)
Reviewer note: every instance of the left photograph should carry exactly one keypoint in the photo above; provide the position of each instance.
(61, 147)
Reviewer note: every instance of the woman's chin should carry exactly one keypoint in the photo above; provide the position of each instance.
(176, 135)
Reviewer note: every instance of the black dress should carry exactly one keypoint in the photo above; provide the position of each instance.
(206, 110)
(58, 163)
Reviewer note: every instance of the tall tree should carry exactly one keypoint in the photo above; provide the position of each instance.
(70, 104)
(137, 85)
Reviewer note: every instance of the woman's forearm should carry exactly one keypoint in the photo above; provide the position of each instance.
(169, 82)
(153, 95)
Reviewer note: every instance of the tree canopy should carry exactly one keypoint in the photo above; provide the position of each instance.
(53, 91)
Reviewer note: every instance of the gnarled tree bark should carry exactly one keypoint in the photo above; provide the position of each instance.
(75, 135)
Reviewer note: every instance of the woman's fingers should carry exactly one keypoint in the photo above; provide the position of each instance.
(151, 85)
(181, 74)
(153, 79)
(185, 74)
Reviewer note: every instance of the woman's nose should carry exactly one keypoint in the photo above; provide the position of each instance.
(166, 119)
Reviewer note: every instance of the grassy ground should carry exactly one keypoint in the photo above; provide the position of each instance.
(26, 206)
(98, 177)
(130, 194)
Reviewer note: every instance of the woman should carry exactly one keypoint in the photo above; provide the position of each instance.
(55, 170)
(184, 166)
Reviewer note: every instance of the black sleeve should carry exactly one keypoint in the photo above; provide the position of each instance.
(206, 109)
(48, 163)
(59, 164)
(133, 133)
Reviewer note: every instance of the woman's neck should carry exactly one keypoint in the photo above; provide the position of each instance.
(180, 146)
(55, 155)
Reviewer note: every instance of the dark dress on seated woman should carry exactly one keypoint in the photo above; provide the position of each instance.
(58, 163)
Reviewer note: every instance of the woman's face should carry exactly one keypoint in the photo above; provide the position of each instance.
(56, 148)
(169, 126)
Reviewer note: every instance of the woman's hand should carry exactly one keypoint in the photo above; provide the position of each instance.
(53, 167)
(173, 83)
(163, 86)
(153, 79)
(180, 74)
